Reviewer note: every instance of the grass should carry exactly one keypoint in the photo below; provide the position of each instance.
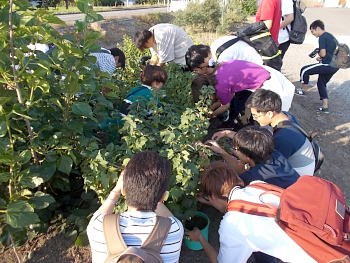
(61, 10)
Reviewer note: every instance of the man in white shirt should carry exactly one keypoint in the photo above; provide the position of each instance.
(167, 42)
(242, 234)
(285, 26)
(240, 50)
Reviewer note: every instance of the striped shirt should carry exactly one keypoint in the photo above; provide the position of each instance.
(135, 227)
(105, 62)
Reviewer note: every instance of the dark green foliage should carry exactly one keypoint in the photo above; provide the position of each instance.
(204, 17)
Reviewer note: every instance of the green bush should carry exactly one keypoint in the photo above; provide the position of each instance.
(156, 18)
(198, 16)
(233, 13)
(249, 7)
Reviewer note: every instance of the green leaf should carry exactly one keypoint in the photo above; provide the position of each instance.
(5, 159)
(176, 192)
(52, 19)
(41, 200)
(23, 157)
(19, 54)
(167, 136)
(87, 197)
(82, 240)
(29, 180)
(83, 6)
(5, 177)
(93, 35)
(65, 164)
(45, 170)
(40, 72)
(2, 202)
(82, 108)
(3, 129)
(70, 238)
(20, 214)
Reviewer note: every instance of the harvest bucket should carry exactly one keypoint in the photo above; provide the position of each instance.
(197, 245)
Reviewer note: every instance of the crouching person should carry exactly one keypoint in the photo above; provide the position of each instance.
(242, 234)
(144, 184)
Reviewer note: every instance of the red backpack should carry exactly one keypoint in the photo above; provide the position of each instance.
(312, 212)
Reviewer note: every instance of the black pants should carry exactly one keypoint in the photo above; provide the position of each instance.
(237, 108)
(284, 47)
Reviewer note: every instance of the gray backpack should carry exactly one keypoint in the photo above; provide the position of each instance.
(341, 56)
(149, 250)
(299, 25)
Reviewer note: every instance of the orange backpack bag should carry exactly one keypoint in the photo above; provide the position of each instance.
(312, 212)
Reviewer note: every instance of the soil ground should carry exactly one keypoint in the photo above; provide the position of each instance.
(333, 136)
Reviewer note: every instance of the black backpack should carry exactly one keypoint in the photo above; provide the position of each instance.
(258, 36)
(299, 25)
(319, 157)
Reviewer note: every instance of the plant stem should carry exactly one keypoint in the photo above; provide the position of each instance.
(15, 78)
(12, 243)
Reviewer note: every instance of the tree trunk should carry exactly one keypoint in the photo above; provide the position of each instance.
(66, 3)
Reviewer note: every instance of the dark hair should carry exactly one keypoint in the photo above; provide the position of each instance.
(212, 77)
(141, 37)
(146, 178)
(317, 23)
(264, 100)
(218, 178)
(197, 83)
(153, 73)
(256, 143)
(195, 55)
(117, 52)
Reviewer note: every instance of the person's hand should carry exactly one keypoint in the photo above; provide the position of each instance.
(214, 146)
(194, 235)
(118, 188)
(319, 59)
(218, 135)
(201, 153)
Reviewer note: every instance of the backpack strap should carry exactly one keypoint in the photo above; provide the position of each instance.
(292, 124)
(226, 45)
(157, 237)
(267, 187)
(114, 241)
(251, 208)
(132, 93)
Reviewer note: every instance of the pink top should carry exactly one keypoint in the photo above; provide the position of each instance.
(270, 10)
(238, 75)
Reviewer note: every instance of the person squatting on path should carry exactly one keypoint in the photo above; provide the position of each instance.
(168, 43)
(144, 184)
(327, 45)
(242, 234)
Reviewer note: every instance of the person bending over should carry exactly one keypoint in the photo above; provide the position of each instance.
(144, 184)
(168, 43)
(265, 106)
(235, 80)
(151, 77)
(242, 234)
(256, 157)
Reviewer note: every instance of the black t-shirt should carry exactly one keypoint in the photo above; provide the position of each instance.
(327, 41)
